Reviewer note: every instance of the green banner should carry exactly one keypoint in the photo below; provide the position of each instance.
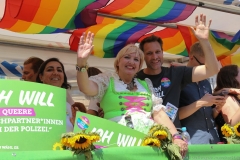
(32, 115)
(111, 133)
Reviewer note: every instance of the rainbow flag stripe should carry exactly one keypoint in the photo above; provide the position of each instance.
(54, 16)
(119, 34)
(232, 59)
(44, 16)
(173, 41)
(223, 44)
(176, 41)
(149, 10)
(111, 34)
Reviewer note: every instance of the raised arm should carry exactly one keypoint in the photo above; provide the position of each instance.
(85, 48)
(211, 66)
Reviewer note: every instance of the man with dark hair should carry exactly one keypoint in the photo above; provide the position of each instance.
(195, 111)
(30, 68)
(150, 39)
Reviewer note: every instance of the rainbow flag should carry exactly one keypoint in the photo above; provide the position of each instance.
(161, 11)
(173, 40)
(111, 34)
(48, 16)
(231, 59)
(223, 44)
(178, 41)
(54, 16)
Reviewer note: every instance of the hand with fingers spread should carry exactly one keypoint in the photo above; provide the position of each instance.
(201, 30)
(85, 47)
(209, 100)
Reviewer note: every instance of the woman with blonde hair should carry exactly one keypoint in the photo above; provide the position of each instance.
(124, 98)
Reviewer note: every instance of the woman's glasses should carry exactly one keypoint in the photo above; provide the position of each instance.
(129, 123)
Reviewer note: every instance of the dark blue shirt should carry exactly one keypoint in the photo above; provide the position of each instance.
(200, 125)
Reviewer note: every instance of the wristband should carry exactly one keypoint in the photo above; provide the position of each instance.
(82, 69)
(177, 136)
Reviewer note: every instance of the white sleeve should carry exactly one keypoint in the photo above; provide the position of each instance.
(156, 101)
(102, 80)
(93, 105)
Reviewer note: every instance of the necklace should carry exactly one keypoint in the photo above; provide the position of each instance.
(130, 86)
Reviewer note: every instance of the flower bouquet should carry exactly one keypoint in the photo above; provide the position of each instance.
(232, 134)
(160, 137)
(79, 143)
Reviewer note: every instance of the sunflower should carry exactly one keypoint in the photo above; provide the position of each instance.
(94, 137)
(237, 129)
(151, 141)
(160, 134)
(65, 141)
(57, 145)
(226, 130)
(80, 141)
(152, 129)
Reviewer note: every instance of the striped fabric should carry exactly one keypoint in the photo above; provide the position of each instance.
(10, 69)
(44, 16)
(150, 10)
(55, 16)
(176, 41)
(112, 34)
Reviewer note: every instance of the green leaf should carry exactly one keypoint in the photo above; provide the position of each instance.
(174, 152)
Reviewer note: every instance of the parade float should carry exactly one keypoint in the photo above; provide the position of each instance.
(30, 130)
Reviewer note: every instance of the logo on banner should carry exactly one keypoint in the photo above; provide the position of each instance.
(83, 122)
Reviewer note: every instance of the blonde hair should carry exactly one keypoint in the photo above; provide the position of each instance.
(130, 48)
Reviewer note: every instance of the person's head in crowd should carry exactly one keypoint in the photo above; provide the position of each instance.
(124, 55)
(52, 72)
(152, 47)
(196, 55)
(30, 68)
(92, 71)
(228, 77)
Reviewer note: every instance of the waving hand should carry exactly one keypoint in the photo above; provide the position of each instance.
(85, 47)
(201, 30)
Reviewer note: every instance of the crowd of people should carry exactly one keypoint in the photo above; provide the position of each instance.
(151, 91)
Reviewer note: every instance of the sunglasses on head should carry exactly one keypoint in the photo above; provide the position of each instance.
(198, 61)
(129, 123)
